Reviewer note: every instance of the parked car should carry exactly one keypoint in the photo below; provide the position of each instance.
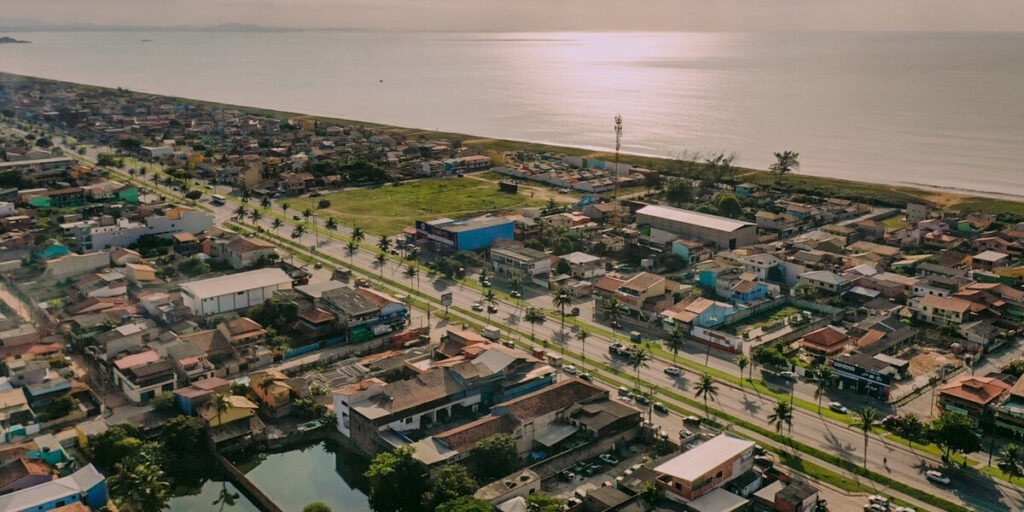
(623, 391)
(660, 407)
(593, 469)
(609, 459)
(567, 475)
(759, 450)
(936, 477)
(485, 283)
(318, 265)
(491, 308)
(570, 369)
(838, 407)
(691, 420)
(788, 375)
(763, 461)
(641, 399)
(515, 294)
(477, 306)
(586, 377)
(875, 499)
(673, 371)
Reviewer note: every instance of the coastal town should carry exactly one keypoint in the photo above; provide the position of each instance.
(185, 283)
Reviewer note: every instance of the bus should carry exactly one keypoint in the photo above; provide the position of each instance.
(218, 200)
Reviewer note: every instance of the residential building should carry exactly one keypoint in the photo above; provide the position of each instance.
(700, 470)
(974, 397)
(447, 236)
(87, 485)
(122, 232)
(23, 473)
(698, 311)
(724, 232)
(826, 341)
(274, 391)
(942, 310)
(825, 281)
(143, 376)
(243, 252)
(637, 291)
(585, 266)
(989, 260)
(233, 292)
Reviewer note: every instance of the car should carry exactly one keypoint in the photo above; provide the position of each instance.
(296, 217)
(874, 507)
(623, 391)
(875, 499)
(485, 283)
(593, 469)
(788, 375)
(660, 407)
(609, 459)
(759, 450)
(318, 265)
(615, 325)
(570, 369)
(904, 509)
(567, 475)
(586, 377)
(296, 233)
(515, 294)
(691, 420)
(936, 477)
(314, 194)
(763, 461)
(643, 400)
(477, 306)
(838, 407)
(491, 308)
(673, 371)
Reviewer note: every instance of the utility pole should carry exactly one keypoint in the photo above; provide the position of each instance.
(616, 212)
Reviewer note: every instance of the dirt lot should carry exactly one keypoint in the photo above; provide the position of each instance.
(927, 361)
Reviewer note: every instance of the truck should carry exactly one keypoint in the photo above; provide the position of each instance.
(490, 332)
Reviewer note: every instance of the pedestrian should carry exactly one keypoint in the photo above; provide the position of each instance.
(885, 461)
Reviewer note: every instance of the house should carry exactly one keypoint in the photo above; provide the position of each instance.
(273, 390)
(23, 473)
(87, 485)
(974, 397)
(700, 470)
(825, 341)
(796, 496)
(584, 266)
(748, 289)
(233, 292)
(719, 500)
(143, 376)
(989, 260)
(243, 252)
(825, 281)
(638, 290)
(139, 273)
(942, 310)
(242, 331)
(691, 251)
(189, 398)
(784, 223)
(699, 311)
(745, 190)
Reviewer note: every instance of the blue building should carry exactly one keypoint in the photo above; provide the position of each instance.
(448, 236)
(87, 485)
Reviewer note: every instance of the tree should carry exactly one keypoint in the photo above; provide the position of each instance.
(562, 298)
(729, 206)
(164, 402)
(501, 455)
(240, 212)
(542, 502)
(358, 235)
(194, 195)
(637, 360)
(912, 428)
(650, 493)
(675, 341)
(707, 389)
(867, 419)
(284, 208)
(410, 273)
(954, 432)
(113, 445)
(276, 224)
(140, 485)
(465, 504)
(491, 299)
(395, 480)
(742, 362)
(384, 244)
(563, 266)
(825, 378)
(226, 498)
(381, 259)
(611, 312)
(534, 316)
(452, 482)
(582, 335)
(331, 225)
(785, 163)
(781, 416)
(1010, 460)
(679, 191)
(265, 202)
(193, 266)
(804, 291)
(255, 216)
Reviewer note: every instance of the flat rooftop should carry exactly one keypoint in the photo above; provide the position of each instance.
(235, 283)
(694, 464)
(691, 217)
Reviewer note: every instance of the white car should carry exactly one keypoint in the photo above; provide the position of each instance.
(838, 407)
(936, 477)
(875, 499)
(477, 306)
(570, 369)
(673, 371)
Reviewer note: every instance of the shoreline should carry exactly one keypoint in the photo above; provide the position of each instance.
(878, 193)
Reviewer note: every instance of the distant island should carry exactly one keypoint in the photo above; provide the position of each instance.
(5, 39)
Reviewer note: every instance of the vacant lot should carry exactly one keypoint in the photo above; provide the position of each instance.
(389, 208)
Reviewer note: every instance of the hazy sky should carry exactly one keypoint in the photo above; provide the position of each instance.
(539, 15)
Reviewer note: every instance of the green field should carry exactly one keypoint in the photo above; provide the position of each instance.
(389, 208)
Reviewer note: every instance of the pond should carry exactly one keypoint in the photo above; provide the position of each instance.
(292, 479)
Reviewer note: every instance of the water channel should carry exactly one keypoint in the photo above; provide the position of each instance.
(293, 479)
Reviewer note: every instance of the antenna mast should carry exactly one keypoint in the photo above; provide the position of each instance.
(618, 145)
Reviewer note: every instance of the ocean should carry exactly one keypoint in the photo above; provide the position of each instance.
(941, 110)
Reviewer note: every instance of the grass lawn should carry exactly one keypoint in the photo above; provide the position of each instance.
(761, 320)
(895, 222)
(385, 210)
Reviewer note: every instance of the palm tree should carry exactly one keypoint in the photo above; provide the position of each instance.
(276, 224)
(707, 389)
(534, 316)
(306, 214)
(1010, 460)
(383, 244)
(358, 234)
(562, 299)
(284, 208)
(742, 362)
(412, 272)
(255, 216)
(867, 419)
(491, 300)
(582, 335)
(331, 225)
(825, 377)
(381, 260)
(781, 416)
(142, 484)
(265, 202)
(785, 162)
(637, 360)
(226, 497)
(675, 342)
(352, 247)
(246, 194)
(240, 212)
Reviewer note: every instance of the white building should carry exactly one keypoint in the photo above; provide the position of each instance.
(143, 376)
(94, 237)
(233, 292)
